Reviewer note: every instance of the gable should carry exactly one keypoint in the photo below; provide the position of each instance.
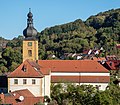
(26, 69)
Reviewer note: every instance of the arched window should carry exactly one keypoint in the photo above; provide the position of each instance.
(29, 53)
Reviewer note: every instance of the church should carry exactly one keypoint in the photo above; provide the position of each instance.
(31, 80)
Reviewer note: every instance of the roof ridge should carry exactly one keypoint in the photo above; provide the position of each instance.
(40, 73)
(73, 65)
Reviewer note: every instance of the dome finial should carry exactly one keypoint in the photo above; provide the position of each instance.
(30, 15)
(29, 9)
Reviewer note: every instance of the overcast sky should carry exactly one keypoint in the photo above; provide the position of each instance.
(47, 13)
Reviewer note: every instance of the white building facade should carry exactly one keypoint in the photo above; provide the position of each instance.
(34, 85)
(31, 78)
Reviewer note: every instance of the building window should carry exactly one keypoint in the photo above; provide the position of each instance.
(24, 81)
(29, 53)
(29, 43)
(33, 81)
(24, 68)
(15, 81)
(98, 87)
(110, 63)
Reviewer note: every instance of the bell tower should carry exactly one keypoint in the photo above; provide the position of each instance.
(30, 42)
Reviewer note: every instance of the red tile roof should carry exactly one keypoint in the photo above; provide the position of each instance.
(32, 69)
(72, 66)
(99, 58)
(27, 69)
(29, 98)
(110, 65)
(81, 79)
(24, 92)
(117, 45)
(45, 71)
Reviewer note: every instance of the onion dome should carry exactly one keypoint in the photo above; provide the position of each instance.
(30, 15)
(30, 32)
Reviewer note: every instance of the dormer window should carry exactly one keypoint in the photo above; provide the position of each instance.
(24, 68)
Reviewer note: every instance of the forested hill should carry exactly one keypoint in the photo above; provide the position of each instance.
(3, 43)
(107, 25)
(67, 38)
(101, 30)
(109, 18)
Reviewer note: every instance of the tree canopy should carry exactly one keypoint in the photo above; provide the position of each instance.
(71, 94)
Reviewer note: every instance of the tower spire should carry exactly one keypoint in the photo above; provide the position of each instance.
(29, 9)
(30, 43)
(30, 32)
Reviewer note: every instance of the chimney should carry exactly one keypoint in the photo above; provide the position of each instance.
(37, 61)
(2, 96)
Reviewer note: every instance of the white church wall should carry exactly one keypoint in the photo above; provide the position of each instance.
(35, 89)
(47, 82)
(78, 74)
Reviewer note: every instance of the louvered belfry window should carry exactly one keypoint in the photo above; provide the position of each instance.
(29, 53)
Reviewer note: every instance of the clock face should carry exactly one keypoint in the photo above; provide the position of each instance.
(29, 43)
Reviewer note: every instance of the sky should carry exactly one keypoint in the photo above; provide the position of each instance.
(47, 13)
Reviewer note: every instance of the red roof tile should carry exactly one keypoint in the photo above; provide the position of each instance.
(110, 65)
(24, 92)
(27, 69)
(81, 79)
(45, 71)
(99, 58)
(45, 66)
(72, 66)
(29, 98)
(117, 45)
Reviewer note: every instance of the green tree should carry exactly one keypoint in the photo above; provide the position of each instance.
(13, 57)
(3, 69)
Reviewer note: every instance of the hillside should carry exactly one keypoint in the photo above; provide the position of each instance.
(107, 25)
(101, 30)
(3, 43)
(67, 38)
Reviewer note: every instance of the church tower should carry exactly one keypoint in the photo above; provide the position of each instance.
(30, 42)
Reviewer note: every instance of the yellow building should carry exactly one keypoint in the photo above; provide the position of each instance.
(30, 43)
